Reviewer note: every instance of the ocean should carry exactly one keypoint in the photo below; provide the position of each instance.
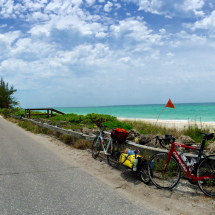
(204, 112)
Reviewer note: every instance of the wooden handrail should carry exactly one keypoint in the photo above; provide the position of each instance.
(28, 112)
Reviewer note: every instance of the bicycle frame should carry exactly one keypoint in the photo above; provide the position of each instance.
(110, 142)
(181, 162)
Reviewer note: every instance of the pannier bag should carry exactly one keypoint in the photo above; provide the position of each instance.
(127, 160)
(119, 134)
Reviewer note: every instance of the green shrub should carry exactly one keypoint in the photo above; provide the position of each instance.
(5, 112)
(81, 119)
(118, 124)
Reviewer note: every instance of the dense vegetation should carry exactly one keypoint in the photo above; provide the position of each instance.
(6, 95)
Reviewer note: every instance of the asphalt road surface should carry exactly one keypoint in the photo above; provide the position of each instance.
(34, 180)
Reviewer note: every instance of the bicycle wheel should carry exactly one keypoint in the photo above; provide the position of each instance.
(207, 167)
(144, 173)
(168, 178)
(96, 147)
(113, 158)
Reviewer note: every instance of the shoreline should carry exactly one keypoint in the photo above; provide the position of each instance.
(180, 124)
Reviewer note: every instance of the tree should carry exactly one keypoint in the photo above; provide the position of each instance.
(6, 95)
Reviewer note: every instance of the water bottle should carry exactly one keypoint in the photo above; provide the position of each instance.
(135, 164)
(184, 158)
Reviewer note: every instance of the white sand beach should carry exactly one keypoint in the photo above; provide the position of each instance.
(171, 124)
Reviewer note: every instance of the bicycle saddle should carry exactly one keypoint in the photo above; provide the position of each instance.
(208, 136)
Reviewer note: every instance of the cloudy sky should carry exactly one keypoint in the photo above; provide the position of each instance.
(67, 53)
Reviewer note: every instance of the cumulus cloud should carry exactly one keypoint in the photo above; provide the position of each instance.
(169, 9)
(135, 29)
(108, 6)
(162, 31)
(206, 23)
(117, 5)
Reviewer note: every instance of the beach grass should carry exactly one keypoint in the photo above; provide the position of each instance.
(192, 130)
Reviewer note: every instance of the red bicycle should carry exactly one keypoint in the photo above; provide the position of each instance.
(164, 169)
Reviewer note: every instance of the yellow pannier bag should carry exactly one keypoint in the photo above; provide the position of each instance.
(127, 160)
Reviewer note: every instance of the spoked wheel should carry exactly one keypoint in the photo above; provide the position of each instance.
(164, 179)
(144, 173)
(114, 156)
(96, 147)
(207, 168)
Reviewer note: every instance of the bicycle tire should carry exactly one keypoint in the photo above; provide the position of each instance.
(144, 175)
(207, 167)
(96, 147)
(168, 178)
(113, 158)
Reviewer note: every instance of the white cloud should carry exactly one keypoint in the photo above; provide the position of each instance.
(170, 8)
(206, 23)
(124, 59)
(192, 4)
(170, 54)
(3, 26)
(91, 2)
(108, 6)
(37, 16)
(10, 36)
(128, 14)
(117, 5)
(162, 31)
(136, 30)
(70, 22)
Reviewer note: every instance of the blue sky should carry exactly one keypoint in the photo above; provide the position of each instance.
(71, 53)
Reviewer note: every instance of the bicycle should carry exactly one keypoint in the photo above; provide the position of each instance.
(165, 172)
(111, 148)
(113, 151)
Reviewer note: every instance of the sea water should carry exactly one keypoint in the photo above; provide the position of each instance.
(204, 112)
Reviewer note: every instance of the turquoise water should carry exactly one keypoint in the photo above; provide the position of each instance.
(204, 112)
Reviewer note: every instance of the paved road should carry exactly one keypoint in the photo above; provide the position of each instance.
(33, 180)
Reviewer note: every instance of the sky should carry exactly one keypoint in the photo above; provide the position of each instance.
(77, 53)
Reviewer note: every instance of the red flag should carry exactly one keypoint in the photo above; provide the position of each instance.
(170, 104)
(7, 104)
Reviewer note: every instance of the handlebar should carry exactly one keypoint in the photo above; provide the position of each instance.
(168, 138)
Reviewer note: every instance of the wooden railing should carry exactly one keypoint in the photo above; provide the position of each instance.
(29, 114)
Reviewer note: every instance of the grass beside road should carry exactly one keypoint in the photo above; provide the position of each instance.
(78, 143)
